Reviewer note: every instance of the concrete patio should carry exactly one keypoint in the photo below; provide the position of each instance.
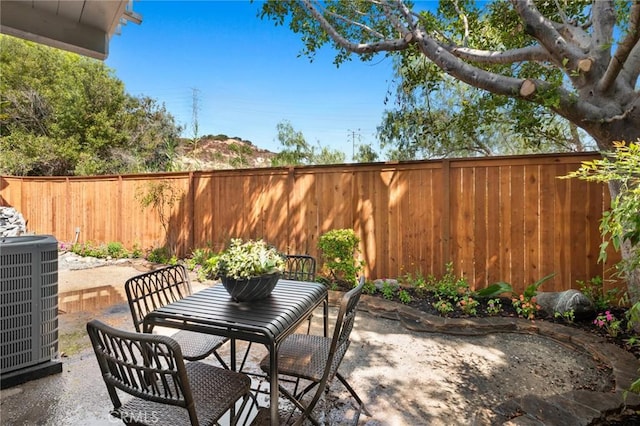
(410, 368)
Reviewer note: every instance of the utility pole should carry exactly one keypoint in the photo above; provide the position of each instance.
(194, 111)
(353, 134)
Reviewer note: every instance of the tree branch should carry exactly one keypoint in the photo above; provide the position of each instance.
(355, 23)
(465, 22)
(386, 45)
(604, 20)
(544, 30)
(530, 53)
(625, 47)
(408, 16)
(561, 13)
(631, 68)
(620, 116)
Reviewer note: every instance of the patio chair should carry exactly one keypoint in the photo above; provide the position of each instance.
(317, 358)
(165, 389)
(301, 267)
(152, 290)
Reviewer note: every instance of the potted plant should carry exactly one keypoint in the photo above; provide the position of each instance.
(249, 270)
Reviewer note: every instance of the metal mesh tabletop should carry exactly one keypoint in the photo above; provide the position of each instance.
(264, 321)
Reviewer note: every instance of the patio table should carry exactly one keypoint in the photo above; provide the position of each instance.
(268, 321)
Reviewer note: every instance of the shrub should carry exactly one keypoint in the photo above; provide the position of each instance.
(162, 255)
(339, 248)
(525, 304)
(448, 287)
(468, 305)
(594, 290)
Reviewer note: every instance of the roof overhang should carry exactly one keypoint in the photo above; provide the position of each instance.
(80, 26)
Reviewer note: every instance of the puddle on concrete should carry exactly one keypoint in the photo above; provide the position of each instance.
(89, 299)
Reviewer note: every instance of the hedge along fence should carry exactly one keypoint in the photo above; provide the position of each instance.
(495, 219)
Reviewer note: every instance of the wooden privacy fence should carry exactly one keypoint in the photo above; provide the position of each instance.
(495, 219)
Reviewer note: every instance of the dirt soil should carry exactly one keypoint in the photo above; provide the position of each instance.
(404, 377)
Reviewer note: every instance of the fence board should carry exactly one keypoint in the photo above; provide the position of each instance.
(532, 221)
(504, 256)
(492, 256)
(497, 219)
(480, 231)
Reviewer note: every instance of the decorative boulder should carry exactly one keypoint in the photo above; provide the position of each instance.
(12, 224)
(379, 283)
(565, 301)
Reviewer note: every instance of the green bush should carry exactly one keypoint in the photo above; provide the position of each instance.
(594, 290)
(339, 248)
(162, 255)
(113, 250)
(116, 250)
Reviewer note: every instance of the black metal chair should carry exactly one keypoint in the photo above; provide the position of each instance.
(317, 358)
(165, 389)
(152, 290)
(301, 267)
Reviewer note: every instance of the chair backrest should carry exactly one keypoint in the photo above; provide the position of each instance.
(147, 366)
(152, 290)
(344, 325)
(339, 342)
(300, 267)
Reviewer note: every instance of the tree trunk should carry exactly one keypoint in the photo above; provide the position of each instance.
(632, 276)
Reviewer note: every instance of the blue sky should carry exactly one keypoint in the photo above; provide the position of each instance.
(247, 74)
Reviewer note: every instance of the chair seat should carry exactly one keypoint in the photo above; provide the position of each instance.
(305, 356)
(196, 346)
(213, 388)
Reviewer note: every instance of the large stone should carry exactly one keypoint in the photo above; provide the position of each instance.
(12, 224)
(565, 301)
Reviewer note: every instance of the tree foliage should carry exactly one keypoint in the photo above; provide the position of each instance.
(620, 226)
(64, 114)
(365, 154)
(578, 59)
(296, 151)
(452, 119)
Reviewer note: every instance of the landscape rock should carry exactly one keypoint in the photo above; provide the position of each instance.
(565, 301)
(380, 283)
(12, 223)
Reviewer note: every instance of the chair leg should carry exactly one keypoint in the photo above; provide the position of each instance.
(235, 418)
(254, 403)
(309, 323)
(353, 393)
(220, 360)
(244, 358)
(304, 410)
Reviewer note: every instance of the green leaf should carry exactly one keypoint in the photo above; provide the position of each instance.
(495, 289)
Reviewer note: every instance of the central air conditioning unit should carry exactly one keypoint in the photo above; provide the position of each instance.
(28, 308)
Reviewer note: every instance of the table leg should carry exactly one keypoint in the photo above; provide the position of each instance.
(326, 316)
(233, 354)
(274, 391)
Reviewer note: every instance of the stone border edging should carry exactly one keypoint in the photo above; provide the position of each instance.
(578, 407)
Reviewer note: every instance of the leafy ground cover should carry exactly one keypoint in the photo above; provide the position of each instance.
(624, 338)
(451, 297)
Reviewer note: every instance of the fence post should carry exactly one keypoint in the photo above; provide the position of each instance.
(119, 206)
(190, 214)
(446, 211)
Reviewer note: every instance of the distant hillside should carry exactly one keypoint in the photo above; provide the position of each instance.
(220, 152)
